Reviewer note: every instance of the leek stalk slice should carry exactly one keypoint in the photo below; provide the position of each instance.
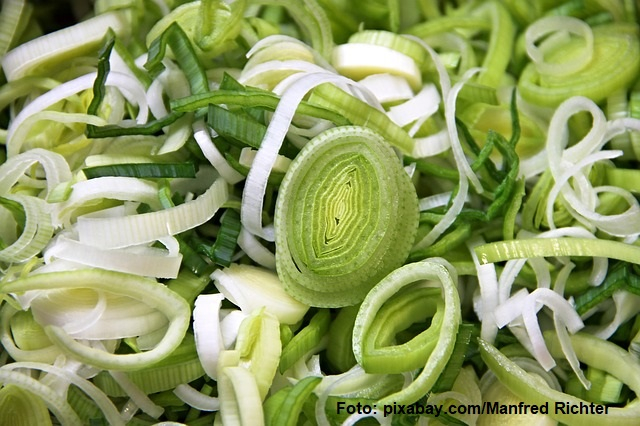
(22, 408)
(328, 251)
(429, 272)
(171, 305)
(144, 228)
(54, 49)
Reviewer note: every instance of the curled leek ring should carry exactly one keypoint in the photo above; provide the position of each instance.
(396, 301)
(346, 216)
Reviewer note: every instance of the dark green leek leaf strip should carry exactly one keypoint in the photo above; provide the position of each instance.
(143, 170)
(512, 209)
(305, 340)
(231, 84)
(291, 406)
(101, 77)
(253, 98)
(482, 154)
(151, 128)
(227, 239)
(236, 125)
(617, 277)
(193, 261)
(185, 55)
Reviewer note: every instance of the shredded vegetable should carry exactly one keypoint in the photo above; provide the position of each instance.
(319, 212)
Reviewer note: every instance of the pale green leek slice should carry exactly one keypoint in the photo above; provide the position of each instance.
(428, 273)
(156, 295)
(345, 217)
(54, 49)
(20, 407)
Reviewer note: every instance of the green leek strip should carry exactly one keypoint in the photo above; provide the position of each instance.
(253, 98)
(56, 48)
(446, 336)
(498, 52)
(339, 348)
(465, 343)
(185, 55)
(143, 170)
(411, 306)
(226, 242)
(99, 90)
(591, 350)
(155, 294)
(361, 114)
(272, 405)
(615, 64)
(620, 276)
(291, 407)
(346, 216)
(151, 128)
(236, 126)
(192, 261)
(305, 340)
(556, 247)
(147, 227)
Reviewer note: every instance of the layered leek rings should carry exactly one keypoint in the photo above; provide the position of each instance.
(346, 216)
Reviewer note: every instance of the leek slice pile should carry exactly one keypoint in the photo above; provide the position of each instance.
(319, 212)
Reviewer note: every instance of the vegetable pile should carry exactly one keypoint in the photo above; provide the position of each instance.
(320, 212)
